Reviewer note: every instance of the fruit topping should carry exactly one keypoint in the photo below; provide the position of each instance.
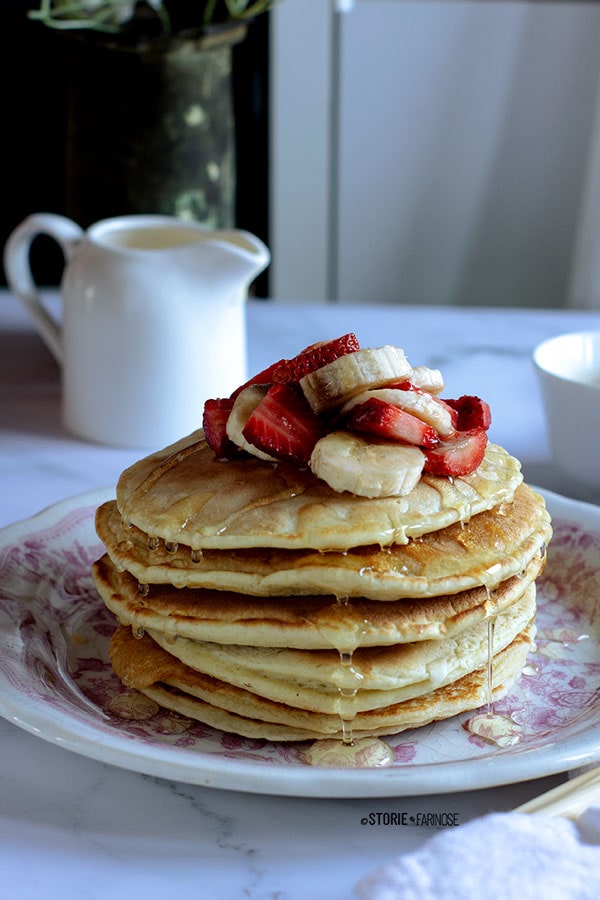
(214, 421)
(335, 383)
(291, 371)
(263, 377)
(459, 456)
(367, 468)
(385, 420)
(243, 407)
(425, 406)
(430, 380)
(472, 413)
(363, 419)
(283, 424)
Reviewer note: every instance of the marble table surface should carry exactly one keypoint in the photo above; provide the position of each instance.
(72, 827)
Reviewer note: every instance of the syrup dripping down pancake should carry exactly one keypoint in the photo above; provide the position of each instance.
(374, 677)
(313, 622)
(487, 549)
(143, 665)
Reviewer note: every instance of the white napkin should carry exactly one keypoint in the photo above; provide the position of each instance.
(502, 855)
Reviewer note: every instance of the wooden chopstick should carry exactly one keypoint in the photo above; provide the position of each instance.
(570, 799)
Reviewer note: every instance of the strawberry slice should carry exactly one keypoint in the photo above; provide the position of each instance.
(403, 386)
(290, 371)
(473, 412)
(263, 377)
(214, 422)
(459, 456)
(379, 418)
(283, 424)
(411, 388)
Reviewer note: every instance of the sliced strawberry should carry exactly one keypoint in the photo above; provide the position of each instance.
(459, 456)
(473, 412)
(402, 386)
(214, 422)
(413, 389)
(284, 425)
(382, 419)
(290, 371)
(263, 377)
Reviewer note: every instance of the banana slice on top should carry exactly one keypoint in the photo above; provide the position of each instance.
(430, 380)
(368, 468)
(338, 381)
(423, 405)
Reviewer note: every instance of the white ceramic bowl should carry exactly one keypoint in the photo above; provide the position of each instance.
(568, 368)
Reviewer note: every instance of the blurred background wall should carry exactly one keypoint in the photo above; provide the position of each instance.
(405, 151)
(435, 152)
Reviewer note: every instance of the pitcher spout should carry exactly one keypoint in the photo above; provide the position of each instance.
(240, 252)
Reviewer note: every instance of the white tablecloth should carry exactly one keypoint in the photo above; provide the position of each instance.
(71, 827)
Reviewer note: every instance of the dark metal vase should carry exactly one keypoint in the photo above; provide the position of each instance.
(151, 129)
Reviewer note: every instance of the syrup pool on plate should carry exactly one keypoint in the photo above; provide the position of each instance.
(360, 753)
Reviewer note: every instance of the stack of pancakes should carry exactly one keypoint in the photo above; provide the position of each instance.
(257, 600)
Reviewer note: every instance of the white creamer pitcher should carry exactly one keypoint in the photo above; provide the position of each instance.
(153, 320)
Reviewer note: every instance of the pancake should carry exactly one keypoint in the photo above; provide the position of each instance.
(488, 549)
(321, 680)
(143, 665)
(185, 495)
(307, 622)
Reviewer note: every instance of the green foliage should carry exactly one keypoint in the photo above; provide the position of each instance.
(117, 15)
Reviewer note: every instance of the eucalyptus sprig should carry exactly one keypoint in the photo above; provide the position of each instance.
(113, 16)
(238, 9)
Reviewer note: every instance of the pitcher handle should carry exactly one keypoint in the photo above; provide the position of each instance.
(18, 269)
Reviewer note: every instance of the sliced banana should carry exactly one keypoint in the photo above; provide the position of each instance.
(430, 380)
(338, 381)
(424, 406)
(347, 462)
(245, 404)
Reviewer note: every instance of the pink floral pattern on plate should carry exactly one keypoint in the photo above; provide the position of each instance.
(54, 670)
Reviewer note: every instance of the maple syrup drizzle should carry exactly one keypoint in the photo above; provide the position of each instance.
(350, 751)
(493, 727)
(347, 751)
(153, 543)
(491, 624)
(170, 631)
(348, 706)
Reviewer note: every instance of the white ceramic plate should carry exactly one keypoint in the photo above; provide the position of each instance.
(55, 680)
